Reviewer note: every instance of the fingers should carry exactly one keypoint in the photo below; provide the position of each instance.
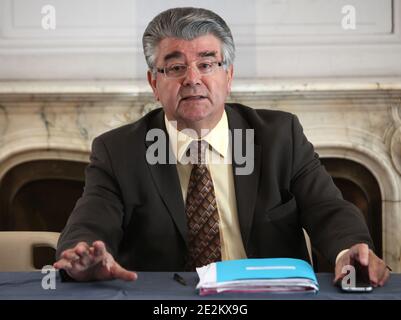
(77, 259)
(69, 255)
(378, 271)
(62, 264)
(360, 252)
(99, 248)
(84, 262)
(87, 257)
(375, 272)
(385, 277)
(66, 259)
(100, 253)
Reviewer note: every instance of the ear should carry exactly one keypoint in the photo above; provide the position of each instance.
(152, 83)
(230, 73)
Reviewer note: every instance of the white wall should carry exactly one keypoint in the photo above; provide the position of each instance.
(276, 39)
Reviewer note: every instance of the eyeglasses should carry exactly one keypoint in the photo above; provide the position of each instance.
(179, 70)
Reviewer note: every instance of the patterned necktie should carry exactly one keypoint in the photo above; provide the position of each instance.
(202, 214)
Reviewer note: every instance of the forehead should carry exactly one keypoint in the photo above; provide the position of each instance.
(188, 49)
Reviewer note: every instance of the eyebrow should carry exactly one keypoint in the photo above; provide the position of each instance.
(207, 54)
(172, 55)
(178, 54)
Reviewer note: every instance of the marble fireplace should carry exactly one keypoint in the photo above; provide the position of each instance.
(46, 130)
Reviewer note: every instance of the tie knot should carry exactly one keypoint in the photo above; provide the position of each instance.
(197, 151)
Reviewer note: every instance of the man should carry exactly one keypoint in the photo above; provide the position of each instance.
(140, 214)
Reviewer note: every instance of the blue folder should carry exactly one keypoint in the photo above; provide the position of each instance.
(267, 268)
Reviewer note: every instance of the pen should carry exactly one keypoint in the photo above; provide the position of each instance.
(179, 279)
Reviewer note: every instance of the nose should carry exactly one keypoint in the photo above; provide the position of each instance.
(193, 77)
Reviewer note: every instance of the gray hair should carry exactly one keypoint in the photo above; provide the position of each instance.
(188, 24)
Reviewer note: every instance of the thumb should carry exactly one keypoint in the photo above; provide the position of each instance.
(338, 271)
(118, 272)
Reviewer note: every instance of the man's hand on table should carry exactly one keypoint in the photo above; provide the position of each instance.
(86, 263)
(379, 272)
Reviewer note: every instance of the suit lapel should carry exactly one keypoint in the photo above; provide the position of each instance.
(165, 177)
(246, 186)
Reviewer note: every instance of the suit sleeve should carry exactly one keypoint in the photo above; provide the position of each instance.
(332, 223)
(98, 213)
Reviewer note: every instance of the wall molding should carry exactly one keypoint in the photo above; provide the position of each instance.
(269, 44)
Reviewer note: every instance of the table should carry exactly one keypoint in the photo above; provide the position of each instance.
(161, 286)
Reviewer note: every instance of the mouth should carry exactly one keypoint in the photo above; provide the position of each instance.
(193, 98)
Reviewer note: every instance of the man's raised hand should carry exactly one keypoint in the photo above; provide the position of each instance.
(87, 263)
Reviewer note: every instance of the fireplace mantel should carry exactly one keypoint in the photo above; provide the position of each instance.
(358, 120)
(239, 85)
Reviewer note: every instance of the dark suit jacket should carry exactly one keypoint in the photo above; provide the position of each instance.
(138, 211)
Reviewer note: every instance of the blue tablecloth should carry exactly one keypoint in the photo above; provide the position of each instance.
(161, 286)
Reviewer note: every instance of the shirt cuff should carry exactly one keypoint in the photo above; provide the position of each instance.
(341, 254)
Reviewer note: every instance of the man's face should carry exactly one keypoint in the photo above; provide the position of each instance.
(196, 100)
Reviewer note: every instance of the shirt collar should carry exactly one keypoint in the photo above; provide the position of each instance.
(217, 138)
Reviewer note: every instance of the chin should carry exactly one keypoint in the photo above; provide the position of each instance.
(195, 113)
(194, 117)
